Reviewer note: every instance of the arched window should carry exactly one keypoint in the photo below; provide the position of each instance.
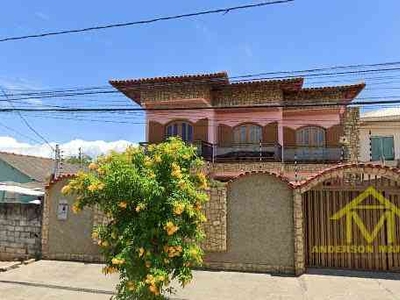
(247, 133)
(310, 136)
(182, 129)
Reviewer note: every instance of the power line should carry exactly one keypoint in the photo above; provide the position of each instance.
(148, 21)
(107, 90)
(27, 123)
(17, 132)
(288, 105)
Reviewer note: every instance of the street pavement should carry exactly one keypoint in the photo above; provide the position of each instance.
(44, 280)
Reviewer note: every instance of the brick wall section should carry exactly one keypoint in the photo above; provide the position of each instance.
(215, 227)
(20, 226)
(351, 124)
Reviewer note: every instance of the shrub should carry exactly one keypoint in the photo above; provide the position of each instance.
(153, 198)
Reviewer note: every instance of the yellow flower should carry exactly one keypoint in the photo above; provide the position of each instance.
(105, 244)
(117, 261)
(152, 175)
(157, 158)
(123, 204)
(140, 207)
(66, 189)
(148, 162)
(100, 186)
(154, 290)
(171, 228)
(75, 208)
(179, 208)
(92, 187)
(109, 270)
(176, 171)
(141, 252)
(95, 235)
(150, 279)
(203, 180)
(182, 184)
(93, 166)
(131, 286)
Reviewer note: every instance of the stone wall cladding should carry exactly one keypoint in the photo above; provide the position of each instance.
(215, 227)
(177, 92)
(20, 226)
(351, 124)
(237, 95)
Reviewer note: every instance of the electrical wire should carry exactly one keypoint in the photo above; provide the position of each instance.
(148, 21)
(29, 125)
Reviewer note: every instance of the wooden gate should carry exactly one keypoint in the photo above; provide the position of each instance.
(352, 221)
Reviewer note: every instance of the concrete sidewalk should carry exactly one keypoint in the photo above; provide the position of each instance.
(70, 280)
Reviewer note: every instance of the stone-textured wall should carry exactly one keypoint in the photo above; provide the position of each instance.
(177, 92)
(351, 124)
(237, 95)
(69, 239)
(260, 233)
(287, 170)
(215, 227)
(19, 231)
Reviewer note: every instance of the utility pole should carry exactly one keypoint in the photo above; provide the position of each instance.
(80, 157)
(57, 158)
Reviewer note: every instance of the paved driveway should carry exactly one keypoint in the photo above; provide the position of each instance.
(44, 280)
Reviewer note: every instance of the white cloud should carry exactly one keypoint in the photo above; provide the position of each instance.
(91, 148)
(41, 15)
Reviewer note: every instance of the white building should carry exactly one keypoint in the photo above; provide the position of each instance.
(380, 136)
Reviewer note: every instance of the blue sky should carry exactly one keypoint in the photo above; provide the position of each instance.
(300, 35)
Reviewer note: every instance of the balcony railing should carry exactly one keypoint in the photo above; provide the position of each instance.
(312, 154)
(266, 152)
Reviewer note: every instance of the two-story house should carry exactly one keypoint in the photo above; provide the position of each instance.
(251, 125)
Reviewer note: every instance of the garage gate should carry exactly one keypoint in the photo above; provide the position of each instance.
(352, 221)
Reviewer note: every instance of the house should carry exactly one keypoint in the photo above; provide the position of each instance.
(380, 136)
(25, 172)
(251, 125)
(288, 168)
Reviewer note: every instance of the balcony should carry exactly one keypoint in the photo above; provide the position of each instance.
(266, 152)
(313, 154)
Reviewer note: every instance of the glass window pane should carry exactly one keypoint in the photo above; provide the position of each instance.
(190, 133)
(184, 132)
(243, 131)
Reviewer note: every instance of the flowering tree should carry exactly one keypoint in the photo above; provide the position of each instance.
(153, 198)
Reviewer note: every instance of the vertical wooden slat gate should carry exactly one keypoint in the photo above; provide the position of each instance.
(326, 240)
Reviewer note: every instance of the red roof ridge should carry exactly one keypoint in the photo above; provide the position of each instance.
(345, 86)
(255, 172)
(59, 178)
(346, 166)
(221, 74)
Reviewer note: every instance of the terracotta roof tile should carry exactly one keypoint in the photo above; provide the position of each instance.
(223, 76)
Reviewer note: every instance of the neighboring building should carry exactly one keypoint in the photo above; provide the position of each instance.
(25, 171)
(223, 119)
(66, 235)
(380, 136)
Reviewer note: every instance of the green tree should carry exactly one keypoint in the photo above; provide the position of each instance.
(153, 198)
(85, 160)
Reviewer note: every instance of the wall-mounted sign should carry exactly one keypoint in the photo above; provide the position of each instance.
(62, 211)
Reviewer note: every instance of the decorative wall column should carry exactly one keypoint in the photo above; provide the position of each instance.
(299, 253)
